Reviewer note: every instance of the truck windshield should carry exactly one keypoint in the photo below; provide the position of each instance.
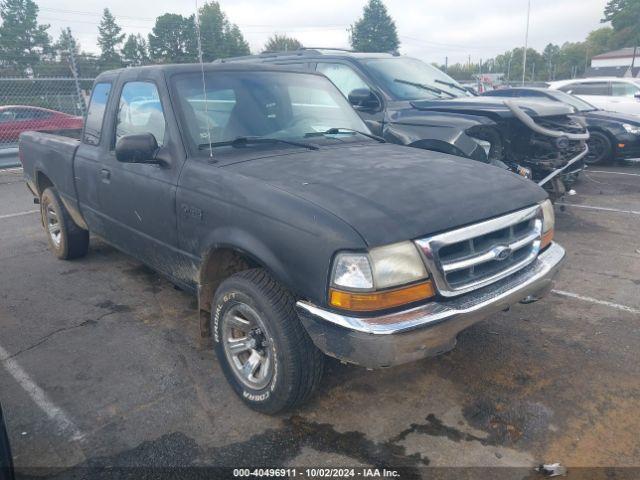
(262, 105)
(411, 79)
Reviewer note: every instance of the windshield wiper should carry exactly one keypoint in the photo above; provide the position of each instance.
(337, 130)
(424, 87)
(241, 141)
(452, 85)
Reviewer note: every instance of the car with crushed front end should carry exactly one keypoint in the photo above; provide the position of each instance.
(261, 191)
(409, 102)
(612, 135)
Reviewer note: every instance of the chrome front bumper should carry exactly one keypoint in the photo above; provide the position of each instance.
(429, 329)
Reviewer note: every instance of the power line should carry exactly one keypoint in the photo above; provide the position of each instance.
(449, 45)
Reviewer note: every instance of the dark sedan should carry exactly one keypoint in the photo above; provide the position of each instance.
(614, 136)
(6, 465)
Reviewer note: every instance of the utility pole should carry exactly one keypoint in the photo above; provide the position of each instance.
(74, 71)
(446, 64)
(586, 61)
(526, 44)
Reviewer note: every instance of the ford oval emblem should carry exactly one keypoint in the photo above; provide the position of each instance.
(502, 253)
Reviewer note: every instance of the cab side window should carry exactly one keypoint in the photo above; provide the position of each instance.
(95, 114)
(622, 89)
(140, 111)
(344, 77)
(587, 88)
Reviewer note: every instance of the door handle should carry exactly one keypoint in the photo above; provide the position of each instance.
(105, 175)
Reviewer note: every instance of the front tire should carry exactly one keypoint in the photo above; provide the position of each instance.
(600, 149)
(66, 239)
(265, 352)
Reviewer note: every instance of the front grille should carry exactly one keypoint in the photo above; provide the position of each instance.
(475, 256)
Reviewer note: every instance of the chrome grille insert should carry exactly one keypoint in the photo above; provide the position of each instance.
(474, 256)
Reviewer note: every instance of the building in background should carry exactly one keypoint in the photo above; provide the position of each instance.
(618, 63)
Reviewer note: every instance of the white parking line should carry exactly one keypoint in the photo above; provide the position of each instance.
(55, 413)
(11, 170)
(19, 214)
(614, 173)
(603, 209)
(617, 306)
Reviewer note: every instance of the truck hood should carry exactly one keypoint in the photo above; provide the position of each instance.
(389, 193)
(492, 107)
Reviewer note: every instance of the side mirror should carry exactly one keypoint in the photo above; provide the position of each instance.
(363, 98)
(137, 148)
(637, 95)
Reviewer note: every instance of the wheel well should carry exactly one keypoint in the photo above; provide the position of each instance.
(42, 182)
(604, 132)
(217, 266)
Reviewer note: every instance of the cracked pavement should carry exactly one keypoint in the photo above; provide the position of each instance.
(117, 348)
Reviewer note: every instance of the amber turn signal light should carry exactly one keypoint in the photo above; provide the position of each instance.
(546, 239)
(368, 302)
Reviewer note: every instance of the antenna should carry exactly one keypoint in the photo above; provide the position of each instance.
(204, 88)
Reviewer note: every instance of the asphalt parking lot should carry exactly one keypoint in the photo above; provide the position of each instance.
(101, 363)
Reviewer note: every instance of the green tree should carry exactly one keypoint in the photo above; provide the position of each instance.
(134, 51)
(66, 44)
(173, 39)
(600, 40)
(235, 44)
(551, 57)
(219, 37)
(22, 40)
(375, 31)
(281, 43)
(109, 38)
(624, 16)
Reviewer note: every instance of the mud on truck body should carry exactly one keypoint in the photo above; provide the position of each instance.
(408, 102)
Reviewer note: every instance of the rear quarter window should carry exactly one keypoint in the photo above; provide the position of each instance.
(95, 114)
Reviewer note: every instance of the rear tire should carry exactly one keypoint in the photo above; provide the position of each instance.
(265, 352)
(66, 239)
(600, 149)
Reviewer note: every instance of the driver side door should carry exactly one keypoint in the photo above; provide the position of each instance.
(138, 200)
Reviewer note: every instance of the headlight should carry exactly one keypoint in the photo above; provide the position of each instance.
(385, 277)
(397, 264)
(352, 271)
(382, 267)
(633, 129)
(548, 223)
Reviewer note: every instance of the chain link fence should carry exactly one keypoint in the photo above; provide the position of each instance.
(55, 105)
(45, 104)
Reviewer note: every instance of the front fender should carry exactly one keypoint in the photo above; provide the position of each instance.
(445, 139)
(247, 245)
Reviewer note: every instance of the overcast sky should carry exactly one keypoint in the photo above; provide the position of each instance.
(428, 29)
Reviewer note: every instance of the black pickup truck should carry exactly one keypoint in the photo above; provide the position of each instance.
(411, 103)
(262, 191)
(6, 461)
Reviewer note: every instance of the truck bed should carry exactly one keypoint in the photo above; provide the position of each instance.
(43, 156)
